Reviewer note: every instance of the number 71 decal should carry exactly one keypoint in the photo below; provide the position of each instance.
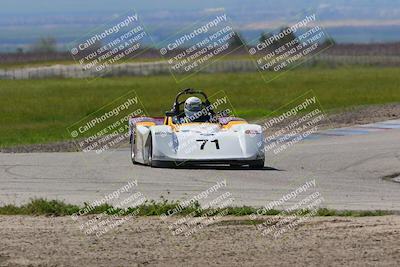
(204, 142)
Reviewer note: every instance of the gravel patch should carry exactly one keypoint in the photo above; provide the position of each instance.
(147, 241)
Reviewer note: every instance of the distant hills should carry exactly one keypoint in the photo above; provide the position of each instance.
(22, 22)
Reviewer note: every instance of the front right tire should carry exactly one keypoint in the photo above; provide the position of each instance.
(257, 164)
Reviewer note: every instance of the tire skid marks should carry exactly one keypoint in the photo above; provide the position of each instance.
(345, 131)
(358, 129)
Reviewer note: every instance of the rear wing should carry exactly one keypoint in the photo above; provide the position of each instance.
(133, 121)
(226, 120)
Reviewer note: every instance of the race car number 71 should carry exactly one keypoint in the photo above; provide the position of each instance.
(204, 141)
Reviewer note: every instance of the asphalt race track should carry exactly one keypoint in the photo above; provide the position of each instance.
(352, 169)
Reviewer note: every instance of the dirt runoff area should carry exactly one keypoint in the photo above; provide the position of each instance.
(232, 241)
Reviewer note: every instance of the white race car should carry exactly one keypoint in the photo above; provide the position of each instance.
(210, 138)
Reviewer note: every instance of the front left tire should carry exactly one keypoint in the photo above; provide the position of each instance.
(132, 150)
(150, 152)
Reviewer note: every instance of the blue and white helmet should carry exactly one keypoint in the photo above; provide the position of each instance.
(192, 106)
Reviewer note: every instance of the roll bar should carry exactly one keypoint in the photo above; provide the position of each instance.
(188, 91)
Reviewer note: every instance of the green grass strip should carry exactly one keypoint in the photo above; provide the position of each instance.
(46, 207)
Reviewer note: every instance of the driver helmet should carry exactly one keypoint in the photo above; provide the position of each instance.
(192, 106)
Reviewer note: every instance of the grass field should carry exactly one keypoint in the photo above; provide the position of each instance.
(39, 111)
